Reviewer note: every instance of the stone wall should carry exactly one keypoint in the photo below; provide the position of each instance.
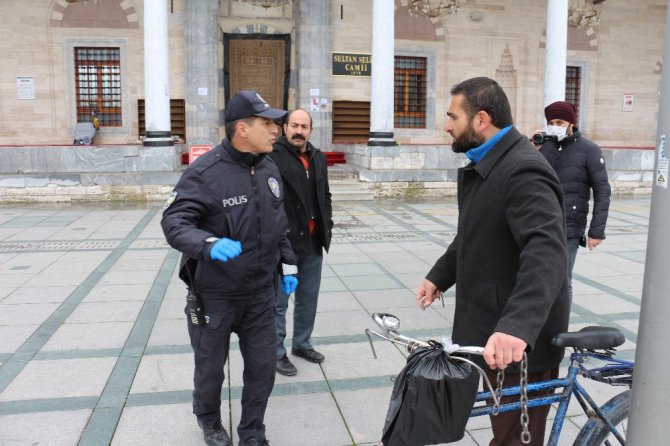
(87, 173)
(38, 42)
(422, 171)
(622, 55)
(137, 173)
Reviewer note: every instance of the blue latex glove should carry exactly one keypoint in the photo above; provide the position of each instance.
(225, 249)
(289, 283)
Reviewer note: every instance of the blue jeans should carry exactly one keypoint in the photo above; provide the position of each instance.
(306, 299)
(573, 246)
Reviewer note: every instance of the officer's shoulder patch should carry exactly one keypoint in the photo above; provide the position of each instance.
(274, 186)
(170, 199)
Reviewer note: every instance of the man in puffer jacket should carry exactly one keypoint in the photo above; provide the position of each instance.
(580, 166)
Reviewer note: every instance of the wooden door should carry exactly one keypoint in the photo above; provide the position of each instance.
(258, 62)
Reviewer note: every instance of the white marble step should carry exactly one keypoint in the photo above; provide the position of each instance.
(345, 186)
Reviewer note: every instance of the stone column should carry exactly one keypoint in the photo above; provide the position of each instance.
(382, 79)
(156, 84)
(556, 51)
(313, 65)
(202, 69)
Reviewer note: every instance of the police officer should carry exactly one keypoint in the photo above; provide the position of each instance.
(225, 216)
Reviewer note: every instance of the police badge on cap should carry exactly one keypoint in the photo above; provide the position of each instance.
(274, 186)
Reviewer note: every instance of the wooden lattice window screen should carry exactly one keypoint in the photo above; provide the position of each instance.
(573, 82)
(177, 118)
(351, 121)
(410, 92)
(98, 83)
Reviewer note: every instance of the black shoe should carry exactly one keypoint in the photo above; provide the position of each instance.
(215, 434)
(254, 442)
(285, 367)
(311, 355)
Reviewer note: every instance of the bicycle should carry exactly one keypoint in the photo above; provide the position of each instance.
(606, 423)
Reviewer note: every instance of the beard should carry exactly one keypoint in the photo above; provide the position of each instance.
(466, 141)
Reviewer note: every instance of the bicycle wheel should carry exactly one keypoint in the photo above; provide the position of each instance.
(595, 432)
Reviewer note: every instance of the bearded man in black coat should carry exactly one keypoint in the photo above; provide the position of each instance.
(508, 259)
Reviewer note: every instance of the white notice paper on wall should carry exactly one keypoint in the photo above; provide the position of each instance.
(628, 102)
(25, 87)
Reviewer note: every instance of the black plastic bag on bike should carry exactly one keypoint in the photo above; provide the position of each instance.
(432, 399)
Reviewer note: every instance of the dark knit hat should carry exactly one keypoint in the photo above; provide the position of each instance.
(560, 110)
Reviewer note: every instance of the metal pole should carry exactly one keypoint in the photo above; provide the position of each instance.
(652, 361)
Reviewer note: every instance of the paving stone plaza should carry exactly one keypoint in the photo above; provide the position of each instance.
(94, 348)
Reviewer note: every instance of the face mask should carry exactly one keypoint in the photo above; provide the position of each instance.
(556, 130)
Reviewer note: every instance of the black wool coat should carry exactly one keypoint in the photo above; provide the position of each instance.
(509, 258)
(296, 200)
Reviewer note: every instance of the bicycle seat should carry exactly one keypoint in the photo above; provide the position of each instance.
(592, 338)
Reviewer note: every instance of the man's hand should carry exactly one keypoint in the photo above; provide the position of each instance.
(426, 294)
(592, 243)
(289, 283)
(225, 249)
(502, 349)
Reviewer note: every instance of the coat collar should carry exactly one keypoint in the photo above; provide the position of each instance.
(476, 154)
(244, 158)
(282, 143)
(576, 134)
(496, 152)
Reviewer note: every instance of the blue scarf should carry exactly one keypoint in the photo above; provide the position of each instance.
(478, 153)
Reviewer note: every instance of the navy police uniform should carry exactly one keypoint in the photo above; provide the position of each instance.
(228, 193)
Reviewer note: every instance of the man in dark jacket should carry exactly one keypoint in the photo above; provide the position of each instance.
(225, 216)
(508, 257)
(308, 207)
(580, 166)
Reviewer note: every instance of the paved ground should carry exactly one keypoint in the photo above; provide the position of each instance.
(93, 342)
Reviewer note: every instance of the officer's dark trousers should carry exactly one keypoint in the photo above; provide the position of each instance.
(253, 319)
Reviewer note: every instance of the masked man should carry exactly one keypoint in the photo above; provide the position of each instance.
(580, 166)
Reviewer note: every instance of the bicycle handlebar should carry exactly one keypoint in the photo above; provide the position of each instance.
(391, 323)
